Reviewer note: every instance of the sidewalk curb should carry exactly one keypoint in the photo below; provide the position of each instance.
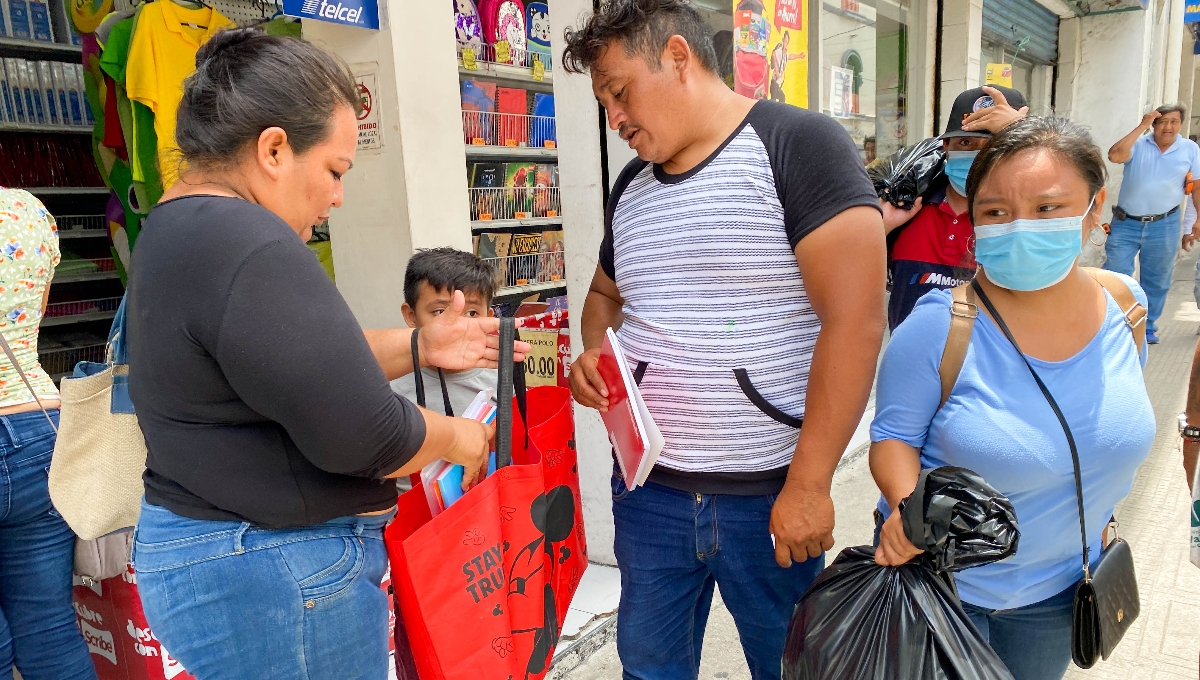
(583, 648)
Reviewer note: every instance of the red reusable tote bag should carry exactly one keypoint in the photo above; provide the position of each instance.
(483, 588)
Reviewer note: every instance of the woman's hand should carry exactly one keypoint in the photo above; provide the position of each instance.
(456, 342)
(470, 448)
(894, 547)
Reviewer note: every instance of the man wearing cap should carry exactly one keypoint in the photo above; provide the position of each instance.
(934, 249)
(1145, 220)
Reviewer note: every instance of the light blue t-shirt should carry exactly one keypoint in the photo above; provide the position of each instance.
(997, 423)
(1152, 182)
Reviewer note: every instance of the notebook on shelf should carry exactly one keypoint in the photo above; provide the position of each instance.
(631, 429)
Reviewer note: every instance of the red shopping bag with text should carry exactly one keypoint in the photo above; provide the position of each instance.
(482, 588)
(115, 629)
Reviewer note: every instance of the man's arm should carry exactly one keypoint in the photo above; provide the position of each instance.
(601, 310)
(843, 262)
(1190, 450)
(1122, 151)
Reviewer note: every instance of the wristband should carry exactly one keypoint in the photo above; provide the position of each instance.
(1191, 433)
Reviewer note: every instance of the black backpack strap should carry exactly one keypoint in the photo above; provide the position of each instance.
(445, 394)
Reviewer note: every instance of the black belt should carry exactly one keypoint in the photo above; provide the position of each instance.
(1120, 214)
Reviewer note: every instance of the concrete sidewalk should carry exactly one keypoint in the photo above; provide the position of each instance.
(1164, 642)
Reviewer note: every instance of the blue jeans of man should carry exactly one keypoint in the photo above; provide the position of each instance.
(231, 600)
(38, 629)
(672, 548)
(1154, 244)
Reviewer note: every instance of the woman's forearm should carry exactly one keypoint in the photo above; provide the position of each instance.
(895, 467)
(393, 350)
(439, 439)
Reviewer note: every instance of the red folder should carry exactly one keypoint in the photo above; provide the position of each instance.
(621, 419)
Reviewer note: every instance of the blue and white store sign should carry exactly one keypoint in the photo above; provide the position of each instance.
(360, 13)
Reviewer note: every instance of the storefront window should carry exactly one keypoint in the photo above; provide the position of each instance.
(864, 71)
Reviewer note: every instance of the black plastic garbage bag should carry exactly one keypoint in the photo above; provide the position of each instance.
(913, 171)
(861, 621)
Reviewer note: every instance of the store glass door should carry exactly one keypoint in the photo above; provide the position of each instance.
(864, 71)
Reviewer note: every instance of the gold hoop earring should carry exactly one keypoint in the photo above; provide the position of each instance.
(1101, 243)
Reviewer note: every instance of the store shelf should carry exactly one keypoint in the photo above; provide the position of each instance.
(480, 225)
(80, 311)
(32, 49)
(61, 362)
(518, 152)
(81, 226)
(101, 268)
(60, 129)
(78, 318)
(507, 74)
(65, 191)
(530, 288)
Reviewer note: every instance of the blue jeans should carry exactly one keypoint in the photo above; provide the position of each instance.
(38, 630)
(231, 600)
(672, 547)
(1157, 242)
(1034, 641)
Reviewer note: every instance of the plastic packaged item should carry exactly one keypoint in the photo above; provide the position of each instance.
(34, 111)
(13, 96)
(58, 76)
(18, 19)
(913, 171)
(49, 98)
(6, 108)
(85, 107)
(861, 621)
(75, 96)
(39, 21)
(5, 31)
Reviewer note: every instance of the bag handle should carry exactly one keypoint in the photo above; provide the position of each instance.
(17, 367)
(419, 379)
(510, 383)
(1087, 575)
(1135, 313)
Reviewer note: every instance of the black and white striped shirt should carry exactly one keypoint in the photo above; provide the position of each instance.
(714, 298)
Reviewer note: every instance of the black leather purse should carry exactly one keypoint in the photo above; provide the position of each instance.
(1106, 600)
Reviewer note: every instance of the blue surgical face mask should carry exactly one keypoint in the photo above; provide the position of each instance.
(1029, 254)
(958, 164)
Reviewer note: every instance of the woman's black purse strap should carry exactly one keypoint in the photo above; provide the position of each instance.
(1087, 575)
(420, 379)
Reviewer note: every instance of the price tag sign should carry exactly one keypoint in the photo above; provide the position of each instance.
(486, 217)
(539, 69)
(468, 59)
(541, 363)
(550, 144)
(521, 215)
(477, 141)
(551, 213)
(503, 55)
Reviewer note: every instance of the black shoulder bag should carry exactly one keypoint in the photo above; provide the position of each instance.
(1106, 600)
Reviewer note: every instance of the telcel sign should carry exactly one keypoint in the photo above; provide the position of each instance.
(360, 13)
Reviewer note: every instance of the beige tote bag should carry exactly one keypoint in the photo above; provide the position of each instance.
(96, 472)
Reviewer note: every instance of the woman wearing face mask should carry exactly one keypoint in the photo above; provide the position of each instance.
(932, 249)
(1035, 192)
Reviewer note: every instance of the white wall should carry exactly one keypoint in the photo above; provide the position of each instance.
(583, 226)
(1105, 83)
(411, 193)
(962, 37)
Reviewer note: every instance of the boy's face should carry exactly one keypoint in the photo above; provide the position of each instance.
(431, 303)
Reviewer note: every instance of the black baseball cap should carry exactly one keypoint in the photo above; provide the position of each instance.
(973, 100)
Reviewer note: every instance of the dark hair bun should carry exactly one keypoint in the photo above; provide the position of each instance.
(224, 41)
(247, 81)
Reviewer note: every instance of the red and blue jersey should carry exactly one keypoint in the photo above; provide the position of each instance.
(934, 250)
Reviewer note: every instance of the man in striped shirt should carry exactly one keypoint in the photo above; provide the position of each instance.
(743, 266)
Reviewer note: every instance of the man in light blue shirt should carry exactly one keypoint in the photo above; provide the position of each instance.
(1146, 217)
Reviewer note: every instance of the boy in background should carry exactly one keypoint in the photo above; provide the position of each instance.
(429, 284)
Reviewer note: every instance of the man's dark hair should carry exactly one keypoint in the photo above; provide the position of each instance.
(448, 269)
(644, 27)
(1170, 108)
(1060, 136)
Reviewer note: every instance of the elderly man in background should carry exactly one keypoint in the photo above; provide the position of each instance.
(1146, 216)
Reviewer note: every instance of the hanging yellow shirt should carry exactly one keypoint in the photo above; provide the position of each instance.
(161, 55)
